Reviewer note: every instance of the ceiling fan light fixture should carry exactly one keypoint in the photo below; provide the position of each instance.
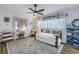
(35, 11)
(35, 14)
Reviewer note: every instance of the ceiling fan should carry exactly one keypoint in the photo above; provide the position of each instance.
(35, 10)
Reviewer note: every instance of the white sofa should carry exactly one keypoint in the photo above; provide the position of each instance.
(48, 38)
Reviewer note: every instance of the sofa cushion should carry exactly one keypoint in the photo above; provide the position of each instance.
(46, 35)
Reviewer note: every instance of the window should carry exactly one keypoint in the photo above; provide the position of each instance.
(57, 23)
(16, 25)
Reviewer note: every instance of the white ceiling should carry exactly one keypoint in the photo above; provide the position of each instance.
(22, 8)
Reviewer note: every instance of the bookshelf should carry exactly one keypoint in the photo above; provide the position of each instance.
(73, 36)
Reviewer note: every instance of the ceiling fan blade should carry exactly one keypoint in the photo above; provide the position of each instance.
(40, 13)
(40, 10)
(31, 9)
(28, 12)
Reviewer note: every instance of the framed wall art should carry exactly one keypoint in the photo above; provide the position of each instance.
(7, 19)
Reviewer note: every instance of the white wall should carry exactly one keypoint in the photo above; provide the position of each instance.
(4, 12)
(72, 14)
(7, 13)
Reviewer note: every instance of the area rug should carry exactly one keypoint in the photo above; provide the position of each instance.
(30, 46)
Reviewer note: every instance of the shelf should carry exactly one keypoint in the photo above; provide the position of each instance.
(72, 41)
(73, 32)
(73, 28)
(73, 36)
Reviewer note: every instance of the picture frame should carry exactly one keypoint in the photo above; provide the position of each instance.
(7, 19)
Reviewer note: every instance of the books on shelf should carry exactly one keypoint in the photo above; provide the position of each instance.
(73, 36)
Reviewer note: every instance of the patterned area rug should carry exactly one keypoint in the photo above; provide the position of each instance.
(30, 46)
